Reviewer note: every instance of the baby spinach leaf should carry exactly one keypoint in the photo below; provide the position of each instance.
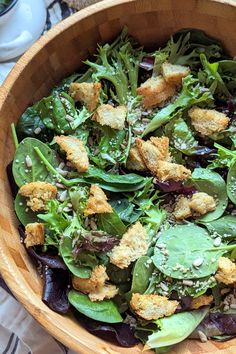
(184, 246)
(30, 124)
(142, 272)
(213, 184)
(192, 93)
(175, 328)
(38, 172)
(23, 212)
(117, 275)
(231, 183)
(77, 269)
(224, 226)
(104, 311)
(125, 209)
(111, 223)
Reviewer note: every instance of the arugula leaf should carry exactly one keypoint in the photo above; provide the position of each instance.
(184, 246)
(153, 219)
(55, 218)
(104, 311)
(224, 158)
(175, 328)
(79, 197)
(213, 184)
(38, 172)
(192, 93)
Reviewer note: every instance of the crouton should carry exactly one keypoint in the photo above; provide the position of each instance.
(171, 171)
(173, 74)
(75, 151)
(95, 286)
(201, 203)
(208, 121)
(151, 307)
(155, 91)
(90, 285)
(200, 301)
(107, 291)
(34, 233)
(39, 193)
(162, 144)
(87, 93)
(182, 209)
(113, 117)
(97, 202)
(134, 161)
(133, 245)
(226, 272)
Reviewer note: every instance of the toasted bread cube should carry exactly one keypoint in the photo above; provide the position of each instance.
(226, 272)
(113, 117)
(134, 161)
(107, 291)
(174, 74)
(155, 91)
(34, 233)
(171, 171)
(89, 285)
(97, 202)
(208, 121)
(162, 144)
(87, 93)
(201, 203)
(182, 209)
(39, 193)
(133, 245)
(95, 286)
(149, 154)
(200, 301)
(75, 151)
(151, 307)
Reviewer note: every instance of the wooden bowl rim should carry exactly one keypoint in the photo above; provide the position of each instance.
(20, 289)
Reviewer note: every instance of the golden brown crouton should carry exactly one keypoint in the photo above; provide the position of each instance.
(34, 233)
(182, 209)
(75, 151)
(107, 291)
(86, 92)
(171, 171)
(95, 286)
(174, 74)
(149, 153)
(38, 193)
(151, 307)
(134, 161)
(88, 285)
(208, 121)
(200, 301)
(226, 272)
(201, 203)
(162, 144)
(97, 202)
(155, 91)
(133, 245)
(114, 117)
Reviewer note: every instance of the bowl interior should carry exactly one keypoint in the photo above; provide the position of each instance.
(56, 55)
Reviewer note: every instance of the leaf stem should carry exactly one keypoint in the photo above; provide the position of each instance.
(14, 135)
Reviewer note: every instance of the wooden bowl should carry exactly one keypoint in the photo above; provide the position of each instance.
(53, 57)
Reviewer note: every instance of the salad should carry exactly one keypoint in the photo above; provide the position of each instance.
(124, 182)
(4, 5)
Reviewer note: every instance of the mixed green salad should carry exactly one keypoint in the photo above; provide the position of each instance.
(4, 4)
(125, 180)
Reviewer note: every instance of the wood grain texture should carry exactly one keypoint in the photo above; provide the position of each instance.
(54, 56)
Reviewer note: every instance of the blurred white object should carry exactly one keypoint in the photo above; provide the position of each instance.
(20, 27)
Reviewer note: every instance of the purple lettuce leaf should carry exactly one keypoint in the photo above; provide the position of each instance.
(174, 186)
(95, 241)
(55, 289)
(147, 63)
(217, 324)
(120, 333)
